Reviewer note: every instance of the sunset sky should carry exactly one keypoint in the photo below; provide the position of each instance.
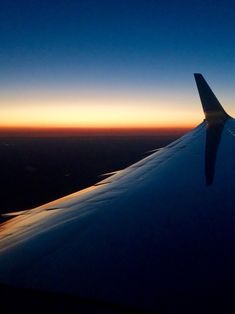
(113, 63)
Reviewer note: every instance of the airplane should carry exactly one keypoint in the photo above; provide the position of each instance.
(156, 237)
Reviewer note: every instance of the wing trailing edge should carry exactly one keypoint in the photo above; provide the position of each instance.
(213, 110)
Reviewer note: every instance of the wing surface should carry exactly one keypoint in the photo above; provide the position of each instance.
(162, 228)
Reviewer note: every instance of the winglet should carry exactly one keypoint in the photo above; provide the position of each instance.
(213, 110)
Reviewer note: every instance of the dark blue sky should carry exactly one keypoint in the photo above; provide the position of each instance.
(130, 45)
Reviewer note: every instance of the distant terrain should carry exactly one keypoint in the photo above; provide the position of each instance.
(38, 169)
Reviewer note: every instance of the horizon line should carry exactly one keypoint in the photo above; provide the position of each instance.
(76, 131)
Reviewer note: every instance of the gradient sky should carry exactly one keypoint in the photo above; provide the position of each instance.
(90, 63)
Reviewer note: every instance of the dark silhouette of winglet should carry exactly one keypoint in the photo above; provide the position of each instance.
(214, 112)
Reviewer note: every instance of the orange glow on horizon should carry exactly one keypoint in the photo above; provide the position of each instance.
(95, 112)
(60, 132)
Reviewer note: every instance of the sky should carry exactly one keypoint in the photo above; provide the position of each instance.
(112, 63)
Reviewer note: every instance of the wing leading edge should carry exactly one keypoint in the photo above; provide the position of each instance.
(159, 230)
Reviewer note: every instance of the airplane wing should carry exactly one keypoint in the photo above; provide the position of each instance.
(157, 234)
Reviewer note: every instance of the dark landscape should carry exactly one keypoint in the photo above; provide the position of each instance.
(38, 169)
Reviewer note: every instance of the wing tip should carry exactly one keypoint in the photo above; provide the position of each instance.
(213, 110)
(198, 76)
